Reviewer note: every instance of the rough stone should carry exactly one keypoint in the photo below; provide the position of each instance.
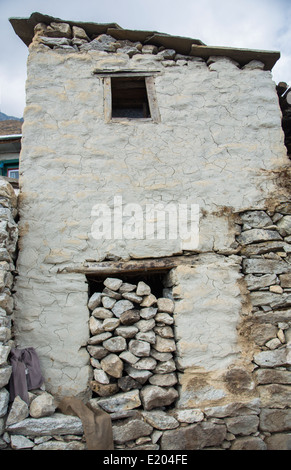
(108, 302)
(21, 442)
(279, 441)
(275, 358)
(284, 225)
(95, 326)
(102, 390)
(79, 33)
(130, 317)
(269, 298)
(275, 395)
(148, 312)
(242, 425)
(140, 375)
(163, 380)
(143, 289)
(111, 293)
(145, 325)
(57, 445)
(164, 344)
(18, 411)
(163, 357)
(258, 235)
(112, 283)
(159, 419)
(149, 49)
(189, 416)
(122, 306)
(148, 336)
(165, 367)
(97, 352)
(59, 30)
(4, 400)
(4, 352)
(110, 324)
(256, 219)
(256, 282)
(5, 374)
(128, 383)
(97, 339)
(112, 365)
(262, 332)
(153, 396)
(146, 363)
(126, 331)
(285, 280)
(148, 301)
(165, 318)
(120, 402)
(57, 424)
(272, 420)
(128, 357)
(55, 41)
(115, 344)
(42, 405)
(139, 348)
(101, 376)
(131, 430)
(102, 313)
(94, 301)
(272, 376)
(264, 266)
(126, 287)
(164, 331)
(249, 443)
(234, 409)
(166, 54)
(195, 436)
(132, 297)
(165, 305)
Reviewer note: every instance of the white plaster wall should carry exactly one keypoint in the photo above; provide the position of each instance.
(217, 145)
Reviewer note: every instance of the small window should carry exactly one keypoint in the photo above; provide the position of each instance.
(130, 96)
(13, 173)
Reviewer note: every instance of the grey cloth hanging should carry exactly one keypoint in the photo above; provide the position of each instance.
(26, 373)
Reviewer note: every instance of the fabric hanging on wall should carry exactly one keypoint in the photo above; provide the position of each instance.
(26, 373)
(96, 423)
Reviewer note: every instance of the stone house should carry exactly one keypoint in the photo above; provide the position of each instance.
(122, 127)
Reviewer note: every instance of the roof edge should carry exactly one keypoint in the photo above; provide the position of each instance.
(24, 28)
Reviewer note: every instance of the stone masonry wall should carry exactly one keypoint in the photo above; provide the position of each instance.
(219, 144)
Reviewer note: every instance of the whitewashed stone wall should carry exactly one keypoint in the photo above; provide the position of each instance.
(220, 145)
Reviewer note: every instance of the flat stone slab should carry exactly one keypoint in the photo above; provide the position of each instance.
(57, 424)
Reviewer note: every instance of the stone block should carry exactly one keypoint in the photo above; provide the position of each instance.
(194, 437)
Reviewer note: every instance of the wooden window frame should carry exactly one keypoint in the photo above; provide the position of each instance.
(151, 94)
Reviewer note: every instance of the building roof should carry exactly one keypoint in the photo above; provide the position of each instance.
(10, 127)
(24, 28)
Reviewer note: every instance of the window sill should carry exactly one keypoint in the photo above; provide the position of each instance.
(127, 120)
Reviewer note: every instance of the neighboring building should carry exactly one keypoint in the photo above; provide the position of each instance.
(10, 146)
(119, 125)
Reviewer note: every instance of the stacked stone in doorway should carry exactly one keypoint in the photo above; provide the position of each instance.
(131, 347)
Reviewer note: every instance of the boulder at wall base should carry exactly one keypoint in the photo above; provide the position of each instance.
(193, 437)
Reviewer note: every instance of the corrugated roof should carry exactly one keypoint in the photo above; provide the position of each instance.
(24, 28)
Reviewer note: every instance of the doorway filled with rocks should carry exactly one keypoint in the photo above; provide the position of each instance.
(132, 343)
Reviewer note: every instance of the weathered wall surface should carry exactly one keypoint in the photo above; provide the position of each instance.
(220, 145)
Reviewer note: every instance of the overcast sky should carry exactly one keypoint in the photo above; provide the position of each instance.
(251, 24)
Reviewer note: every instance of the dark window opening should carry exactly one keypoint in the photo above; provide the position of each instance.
(154, 280)
(129, 97)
